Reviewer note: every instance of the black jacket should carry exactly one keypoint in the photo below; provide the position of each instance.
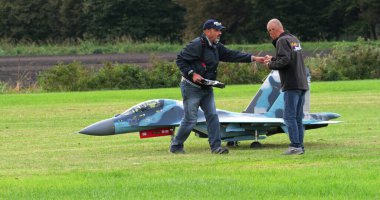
(289, 62)
(192, 56)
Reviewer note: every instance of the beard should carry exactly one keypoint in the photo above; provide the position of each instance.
(217, 40)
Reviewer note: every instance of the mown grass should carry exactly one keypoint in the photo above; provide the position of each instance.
(42, 158)
(123, 45)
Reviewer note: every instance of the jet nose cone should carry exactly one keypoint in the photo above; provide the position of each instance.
(333, 115)
(104, 127)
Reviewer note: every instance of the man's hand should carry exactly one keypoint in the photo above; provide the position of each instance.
(197, 78)
(267, 59)
(258, 59)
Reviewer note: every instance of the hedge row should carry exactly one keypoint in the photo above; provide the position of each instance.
(345, 62)
(76, 77)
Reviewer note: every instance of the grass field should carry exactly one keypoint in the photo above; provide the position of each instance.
(42, 158)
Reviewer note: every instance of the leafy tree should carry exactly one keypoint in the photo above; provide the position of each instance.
(370, 13)
(176, 20)
(139, 19)
(42, 20)
(29, 20)
(72, 19)
(235, 15)
(323, 20)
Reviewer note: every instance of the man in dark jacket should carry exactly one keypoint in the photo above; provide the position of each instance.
(197, 61)
(289, 62)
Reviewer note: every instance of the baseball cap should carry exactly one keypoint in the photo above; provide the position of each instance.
(212, 23)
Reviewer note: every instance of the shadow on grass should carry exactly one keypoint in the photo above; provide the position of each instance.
(312, 145)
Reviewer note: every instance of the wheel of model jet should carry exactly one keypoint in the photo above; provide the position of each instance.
(256, 145)
(232, 143)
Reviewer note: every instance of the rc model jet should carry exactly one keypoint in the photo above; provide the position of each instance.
(263, 117)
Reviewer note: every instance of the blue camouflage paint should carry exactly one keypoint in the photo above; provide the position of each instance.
(263, 117)
(267, 94)
(146, 114)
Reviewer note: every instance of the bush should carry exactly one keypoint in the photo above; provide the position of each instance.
(360, 60)
(164, 74)
(241, 73)
(347, 61)
(71, 77)
(120, 77)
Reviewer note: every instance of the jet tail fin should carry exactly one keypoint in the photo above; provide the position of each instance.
(269, 99)
(267, 94)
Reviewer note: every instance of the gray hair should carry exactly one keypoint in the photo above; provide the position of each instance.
(276, 22)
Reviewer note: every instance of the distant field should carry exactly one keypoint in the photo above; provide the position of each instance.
(126, 46)
(42, 158)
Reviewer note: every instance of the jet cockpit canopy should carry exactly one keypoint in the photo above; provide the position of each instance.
(144, 106)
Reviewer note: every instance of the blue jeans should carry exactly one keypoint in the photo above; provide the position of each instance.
(294, 101)
(193, 98)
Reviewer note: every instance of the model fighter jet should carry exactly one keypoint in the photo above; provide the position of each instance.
(262, 118)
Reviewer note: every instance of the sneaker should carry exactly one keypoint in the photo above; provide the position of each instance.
(293, 151)
(177, 151)
(220, 150)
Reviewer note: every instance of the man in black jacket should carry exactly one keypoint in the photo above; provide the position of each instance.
(197, 61)
(289, 62)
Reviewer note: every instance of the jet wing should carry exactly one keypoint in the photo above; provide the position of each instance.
(250, 120)
(267, 120)
(307, 122)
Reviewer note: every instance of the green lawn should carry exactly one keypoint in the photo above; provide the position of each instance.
(42, 158)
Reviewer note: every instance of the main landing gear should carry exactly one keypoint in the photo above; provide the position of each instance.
(233, 144)
(256, 144)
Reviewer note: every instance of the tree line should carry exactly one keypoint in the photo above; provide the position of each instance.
(181, 20)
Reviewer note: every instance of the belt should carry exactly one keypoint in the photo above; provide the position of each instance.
(191, 83)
